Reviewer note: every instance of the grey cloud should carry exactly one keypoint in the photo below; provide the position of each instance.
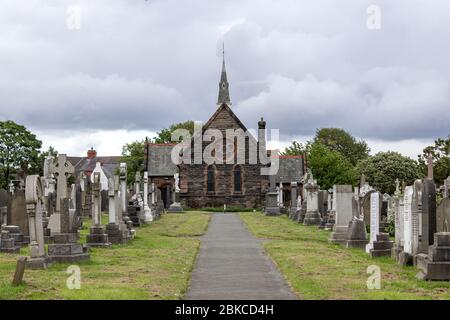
(142, 65)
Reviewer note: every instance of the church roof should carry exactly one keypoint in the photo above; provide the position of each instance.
(290, 169)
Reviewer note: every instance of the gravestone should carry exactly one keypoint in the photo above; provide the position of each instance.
(148, 214)
(124, 199)
(17, 213)
(447, 187)
(396, 207)
(3, 216)
(323, 208)
(97, 236)
(34, 196)
(293, 208)
(312, 217)
(416, 214)
(357, 235)
(343, 213)
(443, 216)
(435, 265)
(406, 256)
(176, 206)
(65, 248)
(331, 212)
(428, 217)
(271, 207)
(61, 169)
(116, 230)
(379, 244)
(5, 199)
(8, 239)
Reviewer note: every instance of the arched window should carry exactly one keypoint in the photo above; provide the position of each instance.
(237, 179)
(211, 183)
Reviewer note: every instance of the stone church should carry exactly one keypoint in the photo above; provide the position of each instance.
(213, 185)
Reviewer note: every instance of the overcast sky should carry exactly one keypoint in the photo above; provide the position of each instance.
(102, 73)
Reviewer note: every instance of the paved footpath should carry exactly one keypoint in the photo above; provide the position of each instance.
(232, 265)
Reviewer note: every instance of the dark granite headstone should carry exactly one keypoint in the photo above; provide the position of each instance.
(17, 212)
(428, 215)
(104, 200)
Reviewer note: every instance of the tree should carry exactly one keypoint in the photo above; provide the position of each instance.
(441, 159)
(341, 141)
(295, 149)
(329, 167)
(19, 148)
(133, 154)
(165, 135)
(382, 169)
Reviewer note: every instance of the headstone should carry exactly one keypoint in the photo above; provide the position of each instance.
(61, 169)
(357, 235)
(428, 217)
(34, 196)
(20, 270)
(331, 213)
(8, 239)
(443, 216)
(97, 236)
(65, 248)
(3, 216)
(312, 217)
(148, 215)
(5, 199)
(405, 257)
(396, 208)
(272, 208)
(176, 206)
(124, 199)
(116, 230)
(435, 265)
(343, 207)
(293, 208)
(17, 213)
(447, 187)
(374, 219)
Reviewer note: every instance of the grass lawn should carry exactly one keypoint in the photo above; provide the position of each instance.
(157, 264)
(317, 269)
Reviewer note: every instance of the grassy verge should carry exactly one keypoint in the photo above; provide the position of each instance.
(157, 264)
(317, 269)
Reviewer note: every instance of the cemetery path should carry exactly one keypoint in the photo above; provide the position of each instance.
(232, 264)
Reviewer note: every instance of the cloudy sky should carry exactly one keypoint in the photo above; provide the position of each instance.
(102, 73)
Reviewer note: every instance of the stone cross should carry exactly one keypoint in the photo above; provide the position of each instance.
(272, 184)
(49, 181)
(430, 167)
(34, 197)
(61, 169)
(112, 201)
(96, 193)
(397, 187)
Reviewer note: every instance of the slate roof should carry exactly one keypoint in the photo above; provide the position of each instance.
(290, 169)
(159, 160)
(83, 164)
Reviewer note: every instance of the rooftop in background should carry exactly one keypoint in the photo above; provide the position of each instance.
(87, 164)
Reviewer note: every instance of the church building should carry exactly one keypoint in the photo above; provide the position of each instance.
(212, 185)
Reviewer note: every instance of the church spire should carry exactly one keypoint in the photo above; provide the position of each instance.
(224, 94)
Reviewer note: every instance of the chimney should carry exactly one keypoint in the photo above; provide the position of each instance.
(91, 154)
(261, 138)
